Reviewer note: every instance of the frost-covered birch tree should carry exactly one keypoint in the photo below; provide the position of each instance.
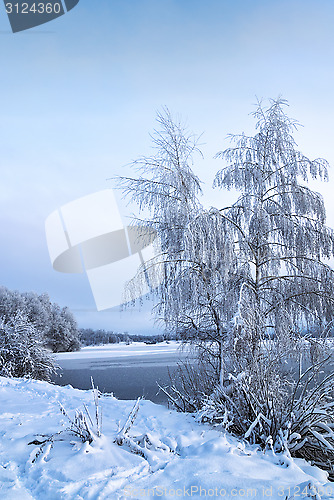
(245, 283)
(284, 246)
(279, 228)
(249, 271)
(200, 278)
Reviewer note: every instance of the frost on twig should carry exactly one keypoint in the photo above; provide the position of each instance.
(81, 425)
(122, 433)
(145, 445)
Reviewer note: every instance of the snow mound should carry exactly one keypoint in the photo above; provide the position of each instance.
(182, 457)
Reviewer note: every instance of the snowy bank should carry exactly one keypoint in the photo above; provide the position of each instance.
(183, 458)
(120, 350)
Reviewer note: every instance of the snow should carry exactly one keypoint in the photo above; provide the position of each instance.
(185, 458)
(120, 350)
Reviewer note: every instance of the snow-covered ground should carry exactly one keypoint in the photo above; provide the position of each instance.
(121, 350)
(186, 460)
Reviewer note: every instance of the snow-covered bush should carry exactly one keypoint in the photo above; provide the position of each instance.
(87, 428)
(266, 406)
(56, 326)
(311, 435)
(83, 425)
(22, 353)
(190, 383)
(62, 333)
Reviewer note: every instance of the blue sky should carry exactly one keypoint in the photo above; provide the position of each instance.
(79, 96)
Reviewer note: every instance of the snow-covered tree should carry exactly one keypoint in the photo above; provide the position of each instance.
(263, 258)
(22, 353)
(243, 283)
(62, 332)
(278, 224)
(56, 326)
(196, 251)
(10, 303)
(283, 246)
(37, 309)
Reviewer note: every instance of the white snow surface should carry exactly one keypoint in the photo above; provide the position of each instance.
(189, 460)
(120, 350)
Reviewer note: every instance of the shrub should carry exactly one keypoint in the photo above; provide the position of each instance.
(267, 400)
(266, 406)
(22, 353)
(56, 326)
(82, 425)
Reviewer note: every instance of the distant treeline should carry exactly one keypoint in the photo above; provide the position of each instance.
(88, 336)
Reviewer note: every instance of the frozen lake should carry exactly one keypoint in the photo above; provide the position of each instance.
(128, 371)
